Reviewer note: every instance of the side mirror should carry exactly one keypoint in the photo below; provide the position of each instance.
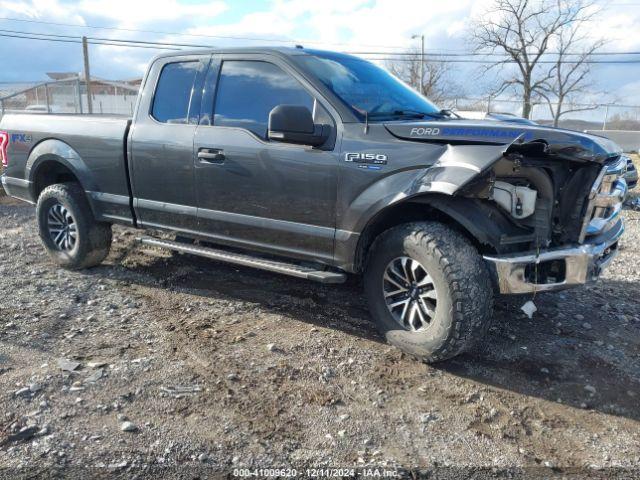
(294, 124)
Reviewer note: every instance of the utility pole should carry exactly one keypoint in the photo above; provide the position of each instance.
(79, 93)
(47, 97)
(421, 37)
(87, 73)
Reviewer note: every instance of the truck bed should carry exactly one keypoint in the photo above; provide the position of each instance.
(94, 146)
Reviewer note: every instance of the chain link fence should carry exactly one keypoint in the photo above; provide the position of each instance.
(70, 96)
(618, 122)
(581, 116)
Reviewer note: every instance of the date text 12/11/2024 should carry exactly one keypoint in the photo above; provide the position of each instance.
(316, 473)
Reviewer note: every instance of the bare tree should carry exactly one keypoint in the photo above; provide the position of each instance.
(569, 76)
(524, 31)
(436, 84)
(624, 121)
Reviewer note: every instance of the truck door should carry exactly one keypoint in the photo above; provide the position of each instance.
(257, 193)
(161, 143)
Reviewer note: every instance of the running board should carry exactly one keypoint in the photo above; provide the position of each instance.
(290, 269)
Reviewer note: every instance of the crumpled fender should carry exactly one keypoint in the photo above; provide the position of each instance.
(455, 168)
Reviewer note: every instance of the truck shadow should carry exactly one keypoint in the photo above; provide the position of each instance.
(342, 308)
(580, 349)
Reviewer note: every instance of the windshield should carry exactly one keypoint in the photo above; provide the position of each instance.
(366, 88)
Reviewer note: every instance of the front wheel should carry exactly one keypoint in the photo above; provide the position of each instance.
(428, 290)
(68, 229)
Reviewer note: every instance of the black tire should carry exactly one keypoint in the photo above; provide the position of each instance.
(464, 305)
(93, 239)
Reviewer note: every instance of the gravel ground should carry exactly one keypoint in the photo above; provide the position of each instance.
(174, 365)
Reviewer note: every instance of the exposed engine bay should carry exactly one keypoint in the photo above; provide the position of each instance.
(519, 189)
(519, 201)
(552, 203)
(541, 196)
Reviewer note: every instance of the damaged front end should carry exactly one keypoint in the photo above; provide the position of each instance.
(547, 202)
(574, 215)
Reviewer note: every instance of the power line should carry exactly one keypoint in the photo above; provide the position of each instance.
(38, 38)
(228, 37)
(188, 45)
(39, 34)
(98, 39)
(454, 53)
(480, 54)
(80, 41)
(485, 62)
(399, 57)
(412, 54)
(409, 54)
(513, 100)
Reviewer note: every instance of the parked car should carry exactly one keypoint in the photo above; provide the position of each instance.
(499, 117)
(318, 165)
(36, 109)
(631, 176)
(41, 109)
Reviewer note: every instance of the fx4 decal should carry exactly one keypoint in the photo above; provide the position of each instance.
(21, 138)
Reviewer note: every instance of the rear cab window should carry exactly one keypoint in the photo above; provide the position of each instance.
(174, 91)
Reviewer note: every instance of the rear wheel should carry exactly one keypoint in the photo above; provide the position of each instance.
(428, 290)
(68, 229)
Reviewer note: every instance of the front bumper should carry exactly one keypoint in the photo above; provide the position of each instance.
(528, 273)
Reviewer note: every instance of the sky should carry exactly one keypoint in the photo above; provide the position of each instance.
(344, 25)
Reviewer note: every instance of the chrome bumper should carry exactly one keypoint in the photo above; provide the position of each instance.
(516, 274)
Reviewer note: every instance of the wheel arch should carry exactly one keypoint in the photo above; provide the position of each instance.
(481, 223)
(53, 161)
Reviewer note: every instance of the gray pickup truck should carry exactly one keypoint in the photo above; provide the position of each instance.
(319, 165)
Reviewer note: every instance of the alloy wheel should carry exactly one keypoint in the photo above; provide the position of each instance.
(62, 227)
(409, 293)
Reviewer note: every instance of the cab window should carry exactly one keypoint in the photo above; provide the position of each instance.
(249, 90)
(173, 93)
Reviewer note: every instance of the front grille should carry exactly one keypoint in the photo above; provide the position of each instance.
(605, 200)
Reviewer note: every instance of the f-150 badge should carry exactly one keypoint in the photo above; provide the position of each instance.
(366, 158)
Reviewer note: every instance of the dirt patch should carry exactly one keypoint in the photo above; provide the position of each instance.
(218, 367)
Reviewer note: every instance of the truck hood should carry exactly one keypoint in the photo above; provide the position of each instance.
(565, 144)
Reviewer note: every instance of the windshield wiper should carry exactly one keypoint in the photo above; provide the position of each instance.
(445, 112)
(405, 113)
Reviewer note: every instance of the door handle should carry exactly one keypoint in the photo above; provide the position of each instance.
(211, 155)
